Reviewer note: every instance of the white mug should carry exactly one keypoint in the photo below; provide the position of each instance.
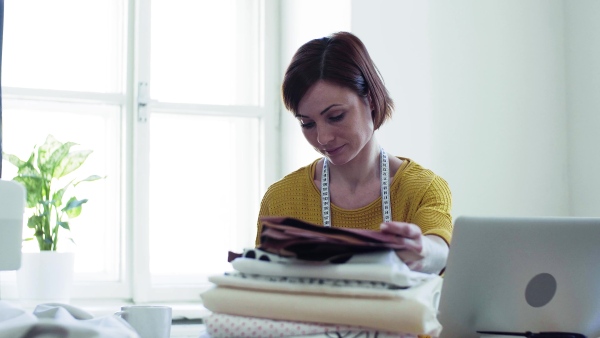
(149, 321)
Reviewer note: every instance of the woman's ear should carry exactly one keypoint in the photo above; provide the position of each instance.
(371, 105)
(370, 97)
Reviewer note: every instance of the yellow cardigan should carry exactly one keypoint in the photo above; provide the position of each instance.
(417, 194)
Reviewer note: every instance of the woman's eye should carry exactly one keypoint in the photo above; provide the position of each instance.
(307, 125)
(336, 118)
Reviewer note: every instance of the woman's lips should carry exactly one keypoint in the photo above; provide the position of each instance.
(333, 151)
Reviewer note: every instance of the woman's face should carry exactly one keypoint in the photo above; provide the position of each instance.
(335, 121)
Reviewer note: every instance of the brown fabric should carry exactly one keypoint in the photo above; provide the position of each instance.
(290, 237)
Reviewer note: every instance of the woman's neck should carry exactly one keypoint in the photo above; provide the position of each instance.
(362, 169)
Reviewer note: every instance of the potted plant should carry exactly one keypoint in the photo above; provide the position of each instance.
(48, 179)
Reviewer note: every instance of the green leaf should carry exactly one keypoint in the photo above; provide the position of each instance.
(27, 239)
(57, 156)
(45, 152)
(34, 221)
(73, 207)
(17, 162)
(90, 179)
(33, 185)
(64, 225)
(28, 170)
(71, 162)
(57, 197)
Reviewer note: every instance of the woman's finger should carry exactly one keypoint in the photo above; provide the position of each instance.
(408, 230)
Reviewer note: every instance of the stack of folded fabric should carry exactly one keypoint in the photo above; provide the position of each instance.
(307, 280)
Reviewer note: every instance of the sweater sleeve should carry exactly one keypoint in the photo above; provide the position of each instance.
(264, 211)
(433, 214)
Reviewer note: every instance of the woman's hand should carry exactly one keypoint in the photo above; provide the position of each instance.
(421, 253)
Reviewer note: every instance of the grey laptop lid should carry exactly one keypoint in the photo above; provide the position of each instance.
(12, 205)
(522, 274)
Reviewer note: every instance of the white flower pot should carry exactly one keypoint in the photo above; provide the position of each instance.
(46, 277)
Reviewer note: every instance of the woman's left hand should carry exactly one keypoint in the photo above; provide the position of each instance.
(422, 253)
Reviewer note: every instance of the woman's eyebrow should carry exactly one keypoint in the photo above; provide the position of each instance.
(321, 113)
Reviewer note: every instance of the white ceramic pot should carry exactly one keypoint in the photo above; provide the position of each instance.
(46, 277)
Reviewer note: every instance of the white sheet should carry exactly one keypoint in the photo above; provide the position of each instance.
(334, 287)
(60, 320)
(384, 266)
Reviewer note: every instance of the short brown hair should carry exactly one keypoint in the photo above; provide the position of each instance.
(340, 58)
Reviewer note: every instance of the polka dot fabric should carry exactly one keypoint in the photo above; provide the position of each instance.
(229, 326)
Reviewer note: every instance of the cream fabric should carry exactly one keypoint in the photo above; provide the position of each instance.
(414, 313)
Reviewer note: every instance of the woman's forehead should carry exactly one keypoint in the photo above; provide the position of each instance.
(324, 94)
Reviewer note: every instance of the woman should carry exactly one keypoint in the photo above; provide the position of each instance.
(336, 93)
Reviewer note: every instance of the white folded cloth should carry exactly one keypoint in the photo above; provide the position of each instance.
(304, 285)
(382, 266)
(60, 320)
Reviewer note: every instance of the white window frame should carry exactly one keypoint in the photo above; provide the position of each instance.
(134, 285)
(267, 112)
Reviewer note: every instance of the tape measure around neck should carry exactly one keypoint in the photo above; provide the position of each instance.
(386, 208)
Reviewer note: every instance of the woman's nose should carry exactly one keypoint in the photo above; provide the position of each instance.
(324, 135)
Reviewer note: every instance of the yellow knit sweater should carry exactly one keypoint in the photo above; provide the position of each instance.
(417, 194)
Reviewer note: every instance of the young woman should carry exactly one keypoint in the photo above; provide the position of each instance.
(339, 99)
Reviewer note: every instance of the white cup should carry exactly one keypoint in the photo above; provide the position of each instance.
(148, 320)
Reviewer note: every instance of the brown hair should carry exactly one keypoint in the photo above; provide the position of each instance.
(340, 58)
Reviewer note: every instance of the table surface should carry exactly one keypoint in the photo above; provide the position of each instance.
(194, 330)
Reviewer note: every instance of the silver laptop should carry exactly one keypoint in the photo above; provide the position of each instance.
(12, 206)
(522, 274)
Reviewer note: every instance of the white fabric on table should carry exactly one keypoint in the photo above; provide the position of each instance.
(60, 320)
(382, 266)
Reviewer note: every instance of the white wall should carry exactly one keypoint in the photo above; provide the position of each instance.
(500, 124)
(496, 96)
(583, 104)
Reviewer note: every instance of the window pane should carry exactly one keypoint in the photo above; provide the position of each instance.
(206, 52)
(203, 193)
(64, 45)
(96, 231)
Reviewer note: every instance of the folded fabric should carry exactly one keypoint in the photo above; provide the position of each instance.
(291, 237)
(414, 313)
(382, 266)
(220, 325)
(60, 320)
(302, 285)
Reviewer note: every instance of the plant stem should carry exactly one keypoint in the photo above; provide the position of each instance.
(55, 231)
(47, 215)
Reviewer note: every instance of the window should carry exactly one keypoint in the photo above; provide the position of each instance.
(177, 99)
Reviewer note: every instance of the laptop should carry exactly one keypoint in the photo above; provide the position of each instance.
(12, 206)
(522, 274)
